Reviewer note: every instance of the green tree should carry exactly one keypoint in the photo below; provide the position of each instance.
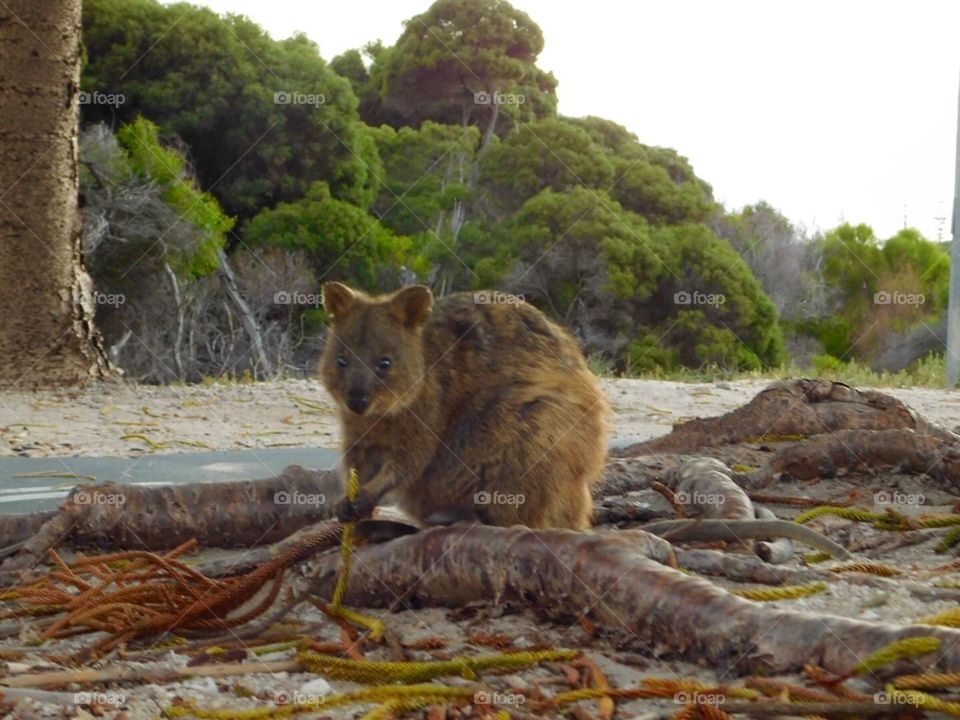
(263, 119)
(927, 262)
(641, 295)
(427, 172)
(656, 183)
(366, 83)
(852, 261)
(562, 153)
(142, 203)
(578, 250)
(709, 306)
(879, 289)
(427, 195)
(153, 242)
(464, 62)
(166, 169)
(551, 153)
(341, 241)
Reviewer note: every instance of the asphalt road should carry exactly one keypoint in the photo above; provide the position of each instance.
(32, 484)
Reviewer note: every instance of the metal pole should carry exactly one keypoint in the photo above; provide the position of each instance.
(953, 309)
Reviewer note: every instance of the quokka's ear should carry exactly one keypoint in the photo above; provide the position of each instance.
(412, 305)
(337, 298)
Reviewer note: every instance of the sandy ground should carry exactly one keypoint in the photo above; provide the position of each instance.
(129, 420)
(123, 420)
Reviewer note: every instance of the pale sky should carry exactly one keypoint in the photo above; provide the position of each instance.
(829, 111)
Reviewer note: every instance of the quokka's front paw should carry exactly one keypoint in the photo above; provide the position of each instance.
(350, 511)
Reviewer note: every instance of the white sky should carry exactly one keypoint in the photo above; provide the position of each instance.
(827, 110)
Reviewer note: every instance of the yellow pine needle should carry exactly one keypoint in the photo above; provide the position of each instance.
(386, 693)
(375, 626)
(927, 702)
(950, 618)
(907, 647)
(927, 681)
(392, 708)
(948, 540)
(375, 671)
(844, 512)
(938, 521)
(162, 444)
(789, 592)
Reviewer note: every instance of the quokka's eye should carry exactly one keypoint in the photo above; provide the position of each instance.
(341, 361)
(384, 363)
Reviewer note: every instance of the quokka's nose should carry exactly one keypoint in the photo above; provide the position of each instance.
(358, 400)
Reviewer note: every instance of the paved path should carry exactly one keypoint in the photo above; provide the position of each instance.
(20, 494)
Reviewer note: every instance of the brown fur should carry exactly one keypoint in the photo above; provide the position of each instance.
(480, 402)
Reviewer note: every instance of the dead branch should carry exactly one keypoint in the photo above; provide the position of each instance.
(743, 568)
(705, 487)
(738, 531)
(155, 672)
(227, 514)
(564, 573)
(867, 450)
(792, 409)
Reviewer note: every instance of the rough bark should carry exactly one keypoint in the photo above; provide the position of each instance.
(743, 568)
(47, 335)
(705, 488)
(860, 450)
(739, 531)
(796, 408)
(602, 576)
(250, 325)
(227, 514)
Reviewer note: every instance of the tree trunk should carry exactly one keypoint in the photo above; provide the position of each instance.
(181, 311)
(263, 368)
(47, 335)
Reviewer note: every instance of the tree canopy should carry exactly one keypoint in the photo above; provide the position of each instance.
(441, 159)
(462, 60)
(263, 119)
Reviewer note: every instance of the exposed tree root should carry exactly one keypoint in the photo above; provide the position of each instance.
(738, 531)
(743, 568)
(867, 450)
(619, 581)
(567, 575)
(706, 489)
(794, 409)
(227, 514)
